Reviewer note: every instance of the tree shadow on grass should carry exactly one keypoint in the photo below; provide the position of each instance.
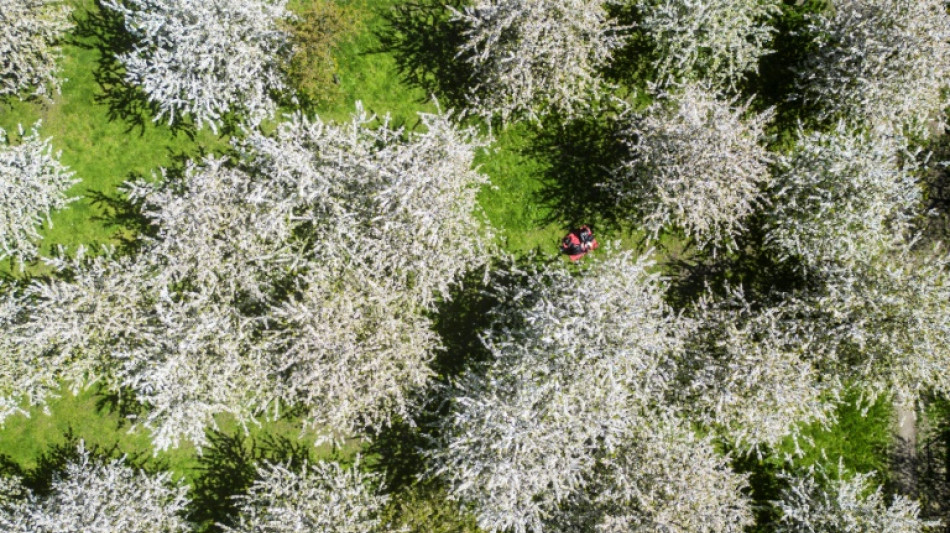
(753, 267)
(765, 486)
(228, 466)
(424, 42)
(633, 65)
(579, 157)
(103, 30)
(123, 215)
(52, 462)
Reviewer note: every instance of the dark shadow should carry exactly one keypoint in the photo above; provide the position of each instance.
(226, 469)
(579, 157)
(124, 217)
(774, 82)
(424, 42)
(52, 463)
(103, 30)
(761, 275)
(122, 403)
(765, 486)
(459, 321)
(633, 66)
(934, 224)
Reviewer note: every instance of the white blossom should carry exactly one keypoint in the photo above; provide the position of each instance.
(33, 183)
(751, 372)
(533, 56)
(841, 196)
(719, 41)
(666, 478)
(885, 323)
(95, 496)
(391, 223)
(824, 504)
(881, 63)
(576, 363)
(206, 58)
(299, 276)
(29, 31)
(320, 497)
(695, 164)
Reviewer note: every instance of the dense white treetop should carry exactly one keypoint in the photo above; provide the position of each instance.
(300, 276)
(29, 30)
(577, 364)
(33, 183)
(206, 58)
(751, 372)
(320, 497)
(695, 164)
(719, 41)
(823, 504)
(95, 496)
(841, 196)
(533, 56)
(880, 63)
(881, 324)
(390, 223)
(886, 323)
(665, 479)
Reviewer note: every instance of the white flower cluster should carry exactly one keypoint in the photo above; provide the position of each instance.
(300, 277)
(719, 41)
(665, 479)
(696, 164)
(841, 196)
(758, 373)
(823, 504)
(29, 30)
(533, 56)
(579, 364)
(886, 323)
(206, 58)
(752, 373)
(881, 63)
(93, 496)
(321, 497)
(33, 183)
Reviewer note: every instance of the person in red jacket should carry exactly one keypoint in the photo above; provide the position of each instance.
(578, 242)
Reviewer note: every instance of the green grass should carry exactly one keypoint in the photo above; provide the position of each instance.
(859, 438)
(369, 75)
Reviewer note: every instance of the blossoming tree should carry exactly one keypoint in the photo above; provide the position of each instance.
(206, 58)
(880, 63)
(533, 56)
(719, 41)
(695, 164)
(33, 183)
(301, 276)
(29, 31)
